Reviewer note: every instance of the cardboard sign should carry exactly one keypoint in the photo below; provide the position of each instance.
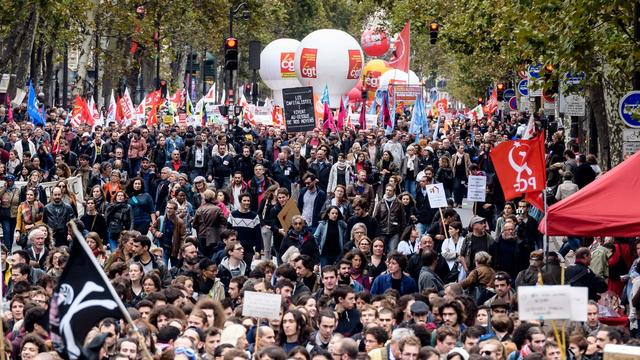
(74, 184)
(552, 302)
(437, 196)
(299, 113)
(261, 305)
(287, 213)
(621, 352)
(476, 190)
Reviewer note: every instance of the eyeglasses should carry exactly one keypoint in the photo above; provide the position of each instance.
(298, 223)
(486, 353)
(239, 249)
(502, 277)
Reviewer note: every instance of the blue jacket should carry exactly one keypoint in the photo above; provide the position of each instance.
(321, 198)
(383, 282)
(321, 234)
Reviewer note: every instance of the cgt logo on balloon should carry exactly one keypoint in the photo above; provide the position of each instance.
(372, 80)
(308, 59)
(287, 65)
(355, 64)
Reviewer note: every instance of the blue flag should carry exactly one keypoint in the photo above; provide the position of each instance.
(419, 122)
(32, 107)
(324, 99)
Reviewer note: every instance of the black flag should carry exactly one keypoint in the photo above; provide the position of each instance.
(84, 296)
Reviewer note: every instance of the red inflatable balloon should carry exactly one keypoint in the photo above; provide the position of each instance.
(355, 95)
(374, 43)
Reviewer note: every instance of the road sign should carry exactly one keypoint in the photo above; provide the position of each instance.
(513, 103)
(575, 105)
(575, 79)
(535, 90)
(631, 135)
(523, 87)
(630, 147)
(629, 109)
(509, 93)
(534, 71)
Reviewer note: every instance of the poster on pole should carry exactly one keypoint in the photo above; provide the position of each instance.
(261, 305)
(476, 189)
(299, 113)
(437, 196)
(553, 302)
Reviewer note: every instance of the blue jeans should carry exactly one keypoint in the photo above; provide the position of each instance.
(113, 240)
(8, 228)
(422, 229)
(573, 243)
(409, 185)
(328, 260)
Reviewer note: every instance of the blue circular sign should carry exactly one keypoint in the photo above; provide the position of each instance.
(513, 103)
(534, 71)
(509, 93)
(630, 109)
(523, 87)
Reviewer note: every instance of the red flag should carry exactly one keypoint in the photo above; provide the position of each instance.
(342, 115)
(520, 166)
(535, 199)
(80, 113)
(119, 116)
(400, 58)
(363, 116)
(9, 109)
(386, 116)
(492, 106)
(327, 118)
(276, 116)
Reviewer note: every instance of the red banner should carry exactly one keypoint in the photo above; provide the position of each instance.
(355, 64)
(400, 58)
(287, 65)
(308, 59)
(520, 166)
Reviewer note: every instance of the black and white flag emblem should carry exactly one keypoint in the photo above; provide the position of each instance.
(83, 298)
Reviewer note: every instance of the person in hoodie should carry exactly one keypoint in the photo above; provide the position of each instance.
(233, 264)
(299, 236)
(348, 315)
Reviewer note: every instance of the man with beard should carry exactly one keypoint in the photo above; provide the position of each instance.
(362, 190)
(221, 168)
(507, 252)
(57, 214)
(244, 163)
(424, 211)
(148, 175)
(504, 291)
(162, 189)
(189, 261)
(415, 261)
(344, 276)
(258, 185)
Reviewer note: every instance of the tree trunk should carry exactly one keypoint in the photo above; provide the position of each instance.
(85, 52)
(48, 84)
(597, 104)
(22, 55)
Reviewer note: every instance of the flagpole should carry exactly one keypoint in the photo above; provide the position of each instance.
(80, 238)
(2, 353)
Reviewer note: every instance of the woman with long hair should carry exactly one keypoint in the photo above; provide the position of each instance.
(141, 205)
(339, 200)
(93, 220)
(293, 330)
(97, 194)
(445, 175)
(387, 168)
(359, 268)
(9, 203)
(56, 260)
(268, 202)
(223, 201)
(24, 174)
(136, 273)
(331, 235)
(14, 165)
(63, 172)
(119, 217)
(68, 196)
(461, 163)
(30, 213)
(199, 187)
(409, 243)
(94, 241)
(377, 262)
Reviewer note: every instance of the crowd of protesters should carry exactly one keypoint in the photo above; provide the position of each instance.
(185, 220)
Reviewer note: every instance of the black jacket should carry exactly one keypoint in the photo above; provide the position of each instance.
(581, 275)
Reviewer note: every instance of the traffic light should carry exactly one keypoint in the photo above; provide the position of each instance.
(480, 101)
(500, 91)
(434, 27)
(163, 88)
(231, 54)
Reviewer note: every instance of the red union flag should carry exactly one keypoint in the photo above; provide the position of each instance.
(308, 58)
(287, 68)
(520, 166)
(355, 64)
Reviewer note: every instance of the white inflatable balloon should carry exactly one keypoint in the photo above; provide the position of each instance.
(329, 58)
(277, 66)
(396, 76)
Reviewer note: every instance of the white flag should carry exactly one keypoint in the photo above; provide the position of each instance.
(111, 114)
(531, 129)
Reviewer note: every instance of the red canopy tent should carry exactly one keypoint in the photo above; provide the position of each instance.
(609, 206)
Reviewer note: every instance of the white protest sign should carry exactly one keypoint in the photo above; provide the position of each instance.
(555, 302)
(575, 105)
(621, 352)
(437, 196)
(261, 305)
(476, 190)
(74, 184)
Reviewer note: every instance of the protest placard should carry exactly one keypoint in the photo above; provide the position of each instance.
(476, 189)
(437, 196)
(261, 305)
(552, 302)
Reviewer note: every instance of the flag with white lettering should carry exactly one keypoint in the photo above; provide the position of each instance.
(83, 297)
